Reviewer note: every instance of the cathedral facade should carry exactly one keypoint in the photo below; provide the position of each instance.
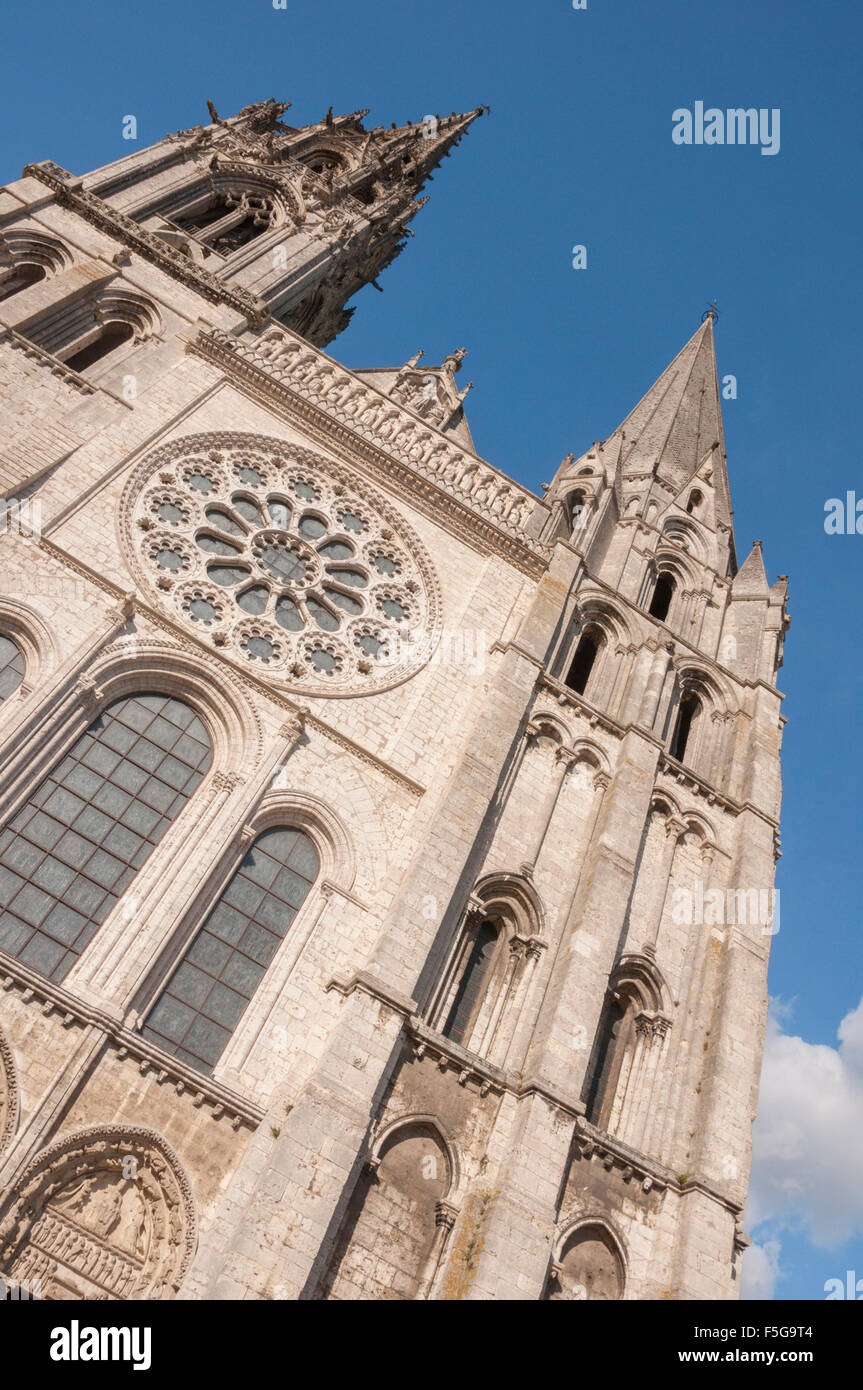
(387, 852)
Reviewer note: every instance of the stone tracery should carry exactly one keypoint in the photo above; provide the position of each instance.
(283, 561)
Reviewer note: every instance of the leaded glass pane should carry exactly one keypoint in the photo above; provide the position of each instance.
(11, 667)
(91, 823)
(224, 964)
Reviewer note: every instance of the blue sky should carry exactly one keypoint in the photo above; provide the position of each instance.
(578, 150)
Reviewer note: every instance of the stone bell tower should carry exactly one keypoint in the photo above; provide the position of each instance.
(386, 854)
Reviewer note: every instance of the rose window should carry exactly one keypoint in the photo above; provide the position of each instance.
(281, 558)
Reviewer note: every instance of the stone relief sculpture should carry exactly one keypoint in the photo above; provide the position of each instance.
(105, 1213)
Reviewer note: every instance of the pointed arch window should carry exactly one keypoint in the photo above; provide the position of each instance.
(663, 593)
(628, 1040)
(321, 162)
(609, 1102)
(202, 1003)
(472, 984)
(583, 662)
(683, 738)
(71, 852)
(577, 511)
(11, 667)
(482, 993)
(614, 1028)
(229, 220)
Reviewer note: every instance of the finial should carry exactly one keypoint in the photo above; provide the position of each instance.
(711, 313)
(756, 544)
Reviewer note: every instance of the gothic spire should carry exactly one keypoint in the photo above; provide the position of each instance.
(679, 420)
(675, 432)
(751, 579)
(366, 184)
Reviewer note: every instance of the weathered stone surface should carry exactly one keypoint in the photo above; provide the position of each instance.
(506, 1042)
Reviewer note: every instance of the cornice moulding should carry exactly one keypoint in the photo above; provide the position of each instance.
(53, 998)
(474, 504)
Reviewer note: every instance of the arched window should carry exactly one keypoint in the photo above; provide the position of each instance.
(663, 593)
(86, 330)
(472, 983)
(74, 848)
(632, 1024)
(111, 336)
(577, 508)
(11, 667)
(203, 1001)
(613, 1026)
(366, 193)
(695, 500)
(26, 257)
(589, 646)
(589, 1267)
(21, 277)
(322, 161)
(228, 221)
(687, 718)
(479, 1000)
(394, 1234)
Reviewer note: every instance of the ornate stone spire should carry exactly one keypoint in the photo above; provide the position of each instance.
(676, 428)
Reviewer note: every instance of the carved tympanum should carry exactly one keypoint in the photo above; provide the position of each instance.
(106, 1213)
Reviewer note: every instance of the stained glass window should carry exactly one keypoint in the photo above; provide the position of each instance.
(205, 998)
(74, 848)
(11, 667)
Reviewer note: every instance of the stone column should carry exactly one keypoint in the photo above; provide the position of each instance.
(445, 1218)
(564, 759)
(514, 1240)
(665, 871)
(692, 983)
(655, 682)
(589, 938)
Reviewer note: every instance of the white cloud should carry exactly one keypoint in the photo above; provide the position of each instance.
(808, 1140)
(760, 1270)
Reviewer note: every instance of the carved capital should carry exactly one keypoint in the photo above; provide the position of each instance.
(293, 728)
(445, 1214)
(89, 693)
(227, 781)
